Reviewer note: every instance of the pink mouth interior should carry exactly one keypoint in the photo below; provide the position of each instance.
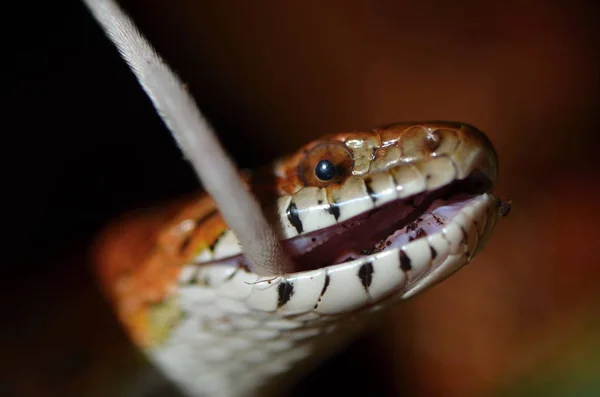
(389, 226)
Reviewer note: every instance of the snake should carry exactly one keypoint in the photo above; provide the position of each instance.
(368, 218)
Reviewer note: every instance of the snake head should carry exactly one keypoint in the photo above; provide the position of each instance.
(373, 214)
(368, 218)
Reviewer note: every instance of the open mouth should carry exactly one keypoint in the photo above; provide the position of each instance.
(386, 227)
(389, 226)
(402, 246)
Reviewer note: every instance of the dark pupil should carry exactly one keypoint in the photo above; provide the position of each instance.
(325, 170)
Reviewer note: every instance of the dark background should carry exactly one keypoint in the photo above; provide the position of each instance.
(84, 146)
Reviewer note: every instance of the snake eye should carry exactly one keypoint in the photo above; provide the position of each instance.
(325, 163)
(325, 170)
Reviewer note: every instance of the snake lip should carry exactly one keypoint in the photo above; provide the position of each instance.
(386, 227)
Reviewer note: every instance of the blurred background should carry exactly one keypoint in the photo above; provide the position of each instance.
(522, 320)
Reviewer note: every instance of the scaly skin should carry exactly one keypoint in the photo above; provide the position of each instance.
(203, 316)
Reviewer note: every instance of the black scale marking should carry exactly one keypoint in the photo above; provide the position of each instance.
(294, 218)
(405, 263)
(285, 290)
(365, 273)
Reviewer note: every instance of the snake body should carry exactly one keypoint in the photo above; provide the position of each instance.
(369, 218)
